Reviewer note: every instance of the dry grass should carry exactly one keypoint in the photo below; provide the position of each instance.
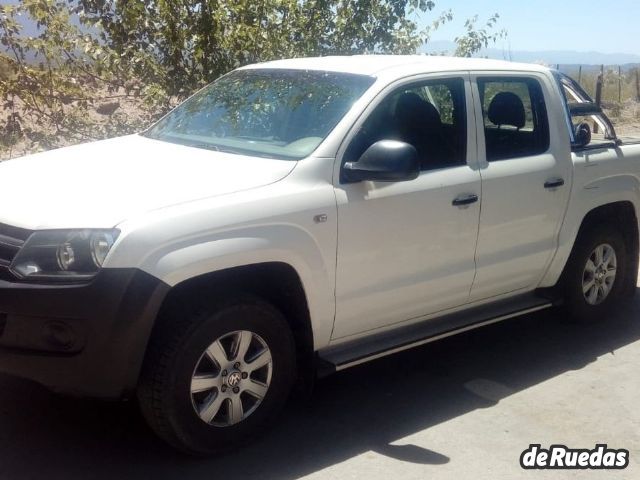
(627, 118)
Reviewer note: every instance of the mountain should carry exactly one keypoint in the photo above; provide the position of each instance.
(549, 57)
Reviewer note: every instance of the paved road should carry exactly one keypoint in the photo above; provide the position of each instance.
(463, 408)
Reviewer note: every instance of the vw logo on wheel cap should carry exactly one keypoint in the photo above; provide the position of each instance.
(234, 379)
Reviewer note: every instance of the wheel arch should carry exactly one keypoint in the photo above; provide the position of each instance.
(621, 214)
(275, 282)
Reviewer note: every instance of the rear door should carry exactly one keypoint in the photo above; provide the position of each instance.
(525, 170)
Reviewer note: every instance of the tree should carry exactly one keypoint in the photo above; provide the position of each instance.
(161, 50)
(195, 41)
(475, 39)
(51, 81)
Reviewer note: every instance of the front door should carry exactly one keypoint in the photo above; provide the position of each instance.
(406, 249)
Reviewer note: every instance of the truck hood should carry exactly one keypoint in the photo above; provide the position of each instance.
(100, 184)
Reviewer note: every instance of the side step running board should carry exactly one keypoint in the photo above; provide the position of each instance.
(350, 354)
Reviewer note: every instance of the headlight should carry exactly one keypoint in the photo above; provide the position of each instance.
(63, 254)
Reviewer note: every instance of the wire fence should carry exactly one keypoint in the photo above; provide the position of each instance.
(607, 83)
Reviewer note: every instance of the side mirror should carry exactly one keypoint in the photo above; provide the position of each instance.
(384, 161)
(582, 135)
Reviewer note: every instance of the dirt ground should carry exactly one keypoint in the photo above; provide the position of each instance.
(109, 112)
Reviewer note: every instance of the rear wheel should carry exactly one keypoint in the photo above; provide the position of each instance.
(217, 378)
(596, 274)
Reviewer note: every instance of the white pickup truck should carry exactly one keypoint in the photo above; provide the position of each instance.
(299, 217)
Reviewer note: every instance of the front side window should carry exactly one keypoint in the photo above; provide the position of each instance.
(515, 117)
(271, 113)
(430, 115)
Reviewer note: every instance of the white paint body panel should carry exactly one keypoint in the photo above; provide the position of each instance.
(387, 254)
(600, 177)
(520, 219)
(100, 184)
(403, 250)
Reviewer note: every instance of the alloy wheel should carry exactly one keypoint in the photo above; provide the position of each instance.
(231, 378)
(599, 274)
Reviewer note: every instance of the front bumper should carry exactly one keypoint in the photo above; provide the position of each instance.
(85, 340)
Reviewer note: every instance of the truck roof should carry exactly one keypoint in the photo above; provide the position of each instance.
(374, 65)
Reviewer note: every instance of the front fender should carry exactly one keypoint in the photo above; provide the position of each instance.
(175, 262)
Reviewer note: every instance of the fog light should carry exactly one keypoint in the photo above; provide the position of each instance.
(59, 335)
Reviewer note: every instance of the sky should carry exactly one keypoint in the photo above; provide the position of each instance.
(585, 25)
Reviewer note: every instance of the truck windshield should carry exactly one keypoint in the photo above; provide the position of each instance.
(272, 113)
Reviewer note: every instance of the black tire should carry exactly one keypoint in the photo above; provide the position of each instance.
(176, 348)
(576, 304)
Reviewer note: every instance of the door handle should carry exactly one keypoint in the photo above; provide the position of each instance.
(555, 183)
(464, 200)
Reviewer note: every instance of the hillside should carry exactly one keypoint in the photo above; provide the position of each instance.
(549, 57)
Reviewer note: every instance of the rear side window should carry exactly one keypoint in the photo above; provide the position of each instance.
(515, 117)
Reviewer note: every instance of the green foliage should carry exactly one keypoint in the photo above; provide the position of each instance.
(195, 42)
(475, 39)
(51, 89)
(153, 52)
(6, 68)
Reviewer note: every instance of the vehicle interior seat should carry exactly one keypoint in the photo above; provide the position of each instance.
(507, 110)
(418, 122)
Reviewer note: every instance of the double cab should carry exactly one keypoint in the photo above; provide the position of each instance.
(298, 217)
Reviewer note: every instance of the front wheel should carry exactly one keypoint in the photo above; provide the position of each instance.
(219, 377)
(596, 274)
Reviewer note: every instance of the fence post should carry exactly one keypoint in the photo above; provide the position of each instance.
(619, 84)
(580, 75)
(638, 84)
(599, 84)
